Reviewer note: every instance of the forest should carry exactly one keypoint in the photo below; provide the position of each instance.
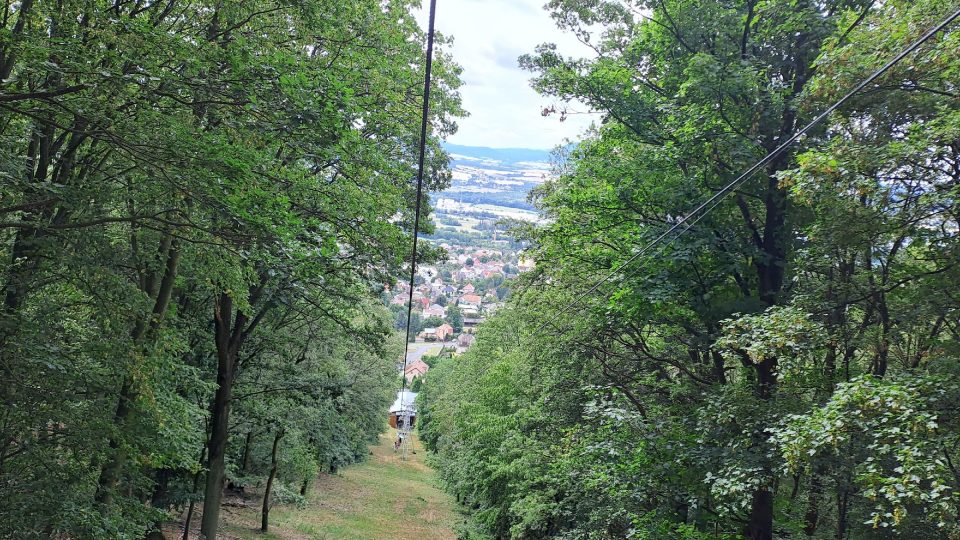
(200, 205)
(789, 366)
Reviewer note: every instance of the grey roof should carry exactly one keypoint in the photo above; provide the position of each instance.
(405, 400)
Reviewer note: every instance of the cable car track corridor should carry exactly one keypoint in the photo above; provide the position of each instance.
(384, 497)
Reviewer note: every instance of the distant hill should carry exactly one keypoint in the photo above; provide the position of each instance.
(489, 182)
(503, 155)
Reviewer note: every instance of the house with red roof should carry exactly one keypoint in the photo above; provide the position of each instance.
(417, 368)
(470, 300)
(444, 331)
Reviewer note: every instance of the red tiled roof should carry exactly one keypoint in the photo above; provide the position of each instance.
(417, 366)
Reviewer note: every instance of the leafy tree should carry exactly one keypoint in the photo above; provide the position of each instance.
(780, 370)
(431, 322)
(430, 359)
(455, 318)
(288, 405)
(163, 169)
(416, 323)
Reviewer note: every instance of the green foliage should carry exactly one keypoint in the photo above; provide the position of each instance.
(455, 318)
(431, 322)
(187, 214)
(787, 367)
(893, 432)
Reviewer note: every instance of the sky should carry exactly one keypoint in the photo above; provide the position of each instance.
(489, 36)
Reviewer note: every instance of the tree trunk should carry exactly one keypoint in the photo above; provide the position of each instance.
(111, 471)
(23, 265)
(770, 275)
(143, 332)
(217, 446)
(24, 255)
(229, 334)
(8, 48)
(265, 514)
(842, 498)
(245, 467)
(760, 526)
(45, 154)
(192, 505)
(189, 518)
(159, 499)
(812, 515)
(719, 365)
(30, 243)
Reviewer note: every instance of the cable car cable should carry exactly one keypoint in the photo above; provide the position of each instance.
(424, 121)
(707, 206)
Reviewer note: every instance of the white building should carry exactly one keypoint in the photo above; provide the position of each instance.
(402, 408)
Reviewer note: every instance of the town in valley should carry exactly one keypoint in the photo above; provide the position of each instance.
(473, 220)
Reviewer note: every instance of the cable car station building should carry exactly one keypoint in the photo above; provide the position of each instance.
(403, 412)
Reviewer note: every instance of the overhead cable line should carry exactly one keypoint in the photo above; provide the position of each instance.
(695, 215)
(424, 121)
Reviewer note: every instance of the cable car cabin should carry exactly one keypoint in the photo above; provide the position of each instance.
(403, 413)
(397, 420)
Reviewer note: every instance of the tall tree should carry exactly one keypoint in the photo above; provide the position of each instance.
(166, 165)
(778, 370)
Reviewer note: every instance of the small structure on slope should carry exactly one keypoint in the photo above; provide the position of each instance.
(403, 413)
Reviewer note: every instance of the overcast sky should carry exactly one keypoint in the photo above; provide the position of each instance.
(489, 35)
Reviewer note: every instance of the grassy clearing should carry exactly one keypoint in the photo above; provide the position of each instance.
(382, 498)
(434, 349)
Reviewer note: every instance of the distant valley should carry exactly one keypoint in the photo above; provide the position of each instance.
(489, 185)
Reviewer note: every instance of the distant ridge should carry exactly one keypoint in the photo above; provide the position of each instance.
(506, 155)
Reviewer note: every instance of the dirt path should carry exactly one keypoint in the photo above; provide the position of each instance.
(383, 498)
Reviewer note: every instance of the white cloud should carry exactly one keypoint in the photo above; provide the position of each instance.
(489, 35)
